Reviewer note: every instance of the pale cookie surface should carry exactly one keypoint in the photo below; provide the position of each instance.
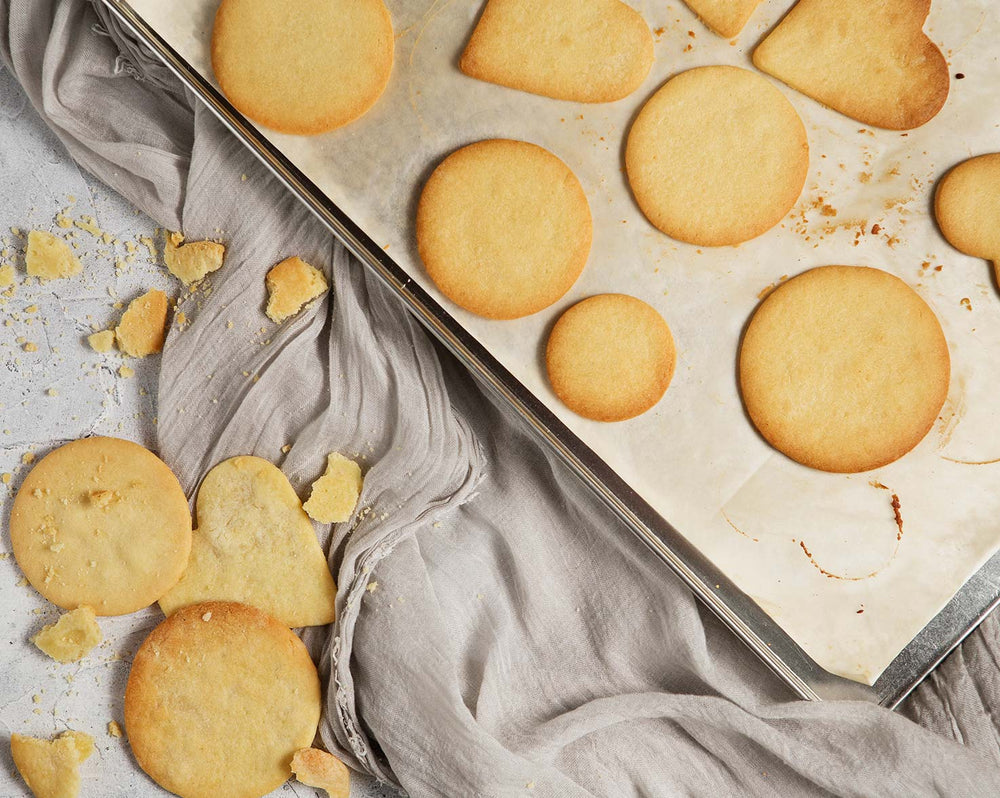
(101, 522)
(967, 207)
(725, 17)
(254, 544)
(193, 261)
(48, 257)
(335, 494)
(302, 66)
(141, 330)
(717, 156)
(610, 357)
(316, 768)
(844, 368)
(70, 638)
(503, 228)
(51, 768)
(583, 50)
(867, 59)
(290, 285)
(219, 698)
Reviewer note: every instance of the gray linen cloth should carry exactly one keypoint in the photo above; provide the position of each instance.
(499, 633)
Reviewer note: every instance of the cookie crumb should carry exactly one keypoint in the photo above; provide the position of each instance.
(101, 341)
(114, 730)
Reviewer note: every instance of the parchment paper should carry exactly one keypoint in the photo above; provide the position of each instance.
(822, 554)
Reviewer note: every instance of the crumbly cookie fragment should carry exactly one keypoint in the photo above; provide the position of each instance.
(141, 329)
(335, 494)
(290, 285)
(190, 262)
(48, 257)
(316, 768)
(70, 638)
(6, 275)
(51, 768)
(101, 341)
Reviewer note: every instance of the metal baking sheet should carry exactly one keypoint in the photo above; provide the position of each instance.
(370, 173)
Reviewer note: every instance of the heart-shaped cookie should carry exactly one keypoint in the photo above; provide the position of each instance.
(868, 59)
(255, 545)
(590, 51)
(725, 17)
(967, 207)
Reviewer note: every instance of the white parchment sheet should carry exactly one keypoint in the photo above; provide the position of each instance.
(822, 554)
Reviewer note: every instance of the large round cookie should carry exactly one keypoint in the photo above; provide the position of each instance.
(101, 522)
(219, 698)
(844, 368)
(717, 156)
(610, 357)
(302, 66)
(503, 228)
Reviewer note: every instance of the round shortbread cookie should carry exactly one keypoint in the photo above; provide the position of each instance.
(844, 368)
(967, 207)
(503, 228)
(717, 156)
(101, 522)
(302, 66)
(219, 698)
(610, 357)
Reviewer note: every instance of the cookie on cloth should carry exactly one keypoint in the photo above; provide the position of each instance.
(867, 59)
(101, 522)
(302, 66)
(610, 357)
(503, 228)
(219, 699)
(725, 17)
(254, 544)
(716, 156)
(967, 208)
(844, 368)
(591, 51)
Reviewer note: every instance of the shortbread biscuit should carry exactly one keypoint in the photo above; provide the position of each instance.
(219, 698)
(967, 207)
(503, 228)
(867, 59)
(101, 522)
(302, 66)
(254, 544)
(725, 17)
(610, 357)
(844, 368)
(589, 51)
(51, 768)
(717, 156)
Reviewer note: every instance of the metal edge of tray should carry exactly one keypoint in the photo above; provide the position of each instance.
(717, 592)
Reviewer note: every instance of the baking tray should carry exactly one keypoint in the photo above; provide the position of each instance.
(737, 610)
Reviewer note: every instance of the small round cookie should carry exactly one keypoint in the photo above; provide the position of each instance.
(844, 368)
(101, 522)
(610, 357)
(967, 207)
(219, 698)
(503, 228)
(302, 66)
(717, 156)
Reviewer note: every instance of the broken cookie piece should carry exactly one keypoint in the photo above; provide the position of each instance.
(190, 262)
(48, 257)
(316, 768)
(71, 637)
(6, 275)
(101, 341)
(141, 329)
(51, 768)
(335, 494)
(290, 285)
